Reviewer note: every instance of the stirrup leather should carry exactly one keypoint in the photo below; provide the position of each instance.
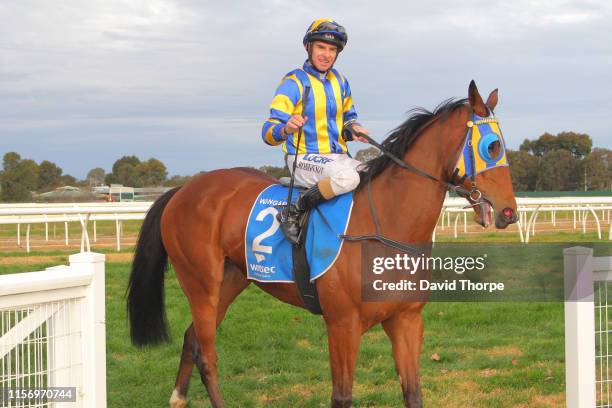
(291, 218)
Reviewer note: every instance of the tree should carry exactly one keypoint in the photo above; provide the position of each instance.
(523, 169)
(176, 181)
(558, 171)
(48, 175)
(152, 172)
(68, 180)
(124, 172)
(596, 169)
(578, 144)
(10, 161)
(543, 144)
(19, 179)
(95, 177)
(365, 155)
(130, 171)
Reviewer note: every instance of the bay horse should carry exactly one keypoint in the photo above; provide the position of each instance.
(200, 227)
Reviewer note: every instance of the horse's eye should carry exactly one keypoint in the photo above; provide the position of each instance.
(490, 147)
(494, 149)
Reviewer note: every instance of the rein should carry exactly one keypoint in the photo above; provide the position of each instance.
(474, 195)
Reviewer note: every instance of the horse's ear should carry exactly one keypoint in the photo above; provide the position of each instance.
(476, 100)
(492, 100)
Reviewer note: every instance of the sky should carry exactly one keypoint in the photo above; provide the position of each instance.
(189, 82)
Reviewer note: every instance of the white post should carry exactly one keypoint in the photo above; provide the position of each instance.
(574, 219)
(579, 328)
(118, 227)
(93, 321)
(456, 221)
(519, 226)
(28, 238)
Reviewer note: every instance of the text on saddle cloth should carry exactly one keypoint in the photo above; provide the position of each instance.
(268, 253)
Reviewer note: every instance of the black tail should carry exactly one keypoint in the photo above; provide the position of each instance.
(145, 297)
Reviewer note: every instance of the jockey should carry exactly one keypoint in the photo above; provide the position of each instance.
(328, 121)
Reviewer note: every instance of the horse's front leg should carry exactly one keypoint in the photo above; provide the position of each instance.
(406, 333)
(343, 336)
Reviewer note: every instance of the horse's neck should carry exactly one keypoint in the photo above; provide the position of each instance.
(408, 205)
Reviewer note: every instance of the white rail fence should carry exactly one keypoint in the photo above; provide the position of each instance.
(28, 214)
(599, 208)
(52, 328)
(588, 329)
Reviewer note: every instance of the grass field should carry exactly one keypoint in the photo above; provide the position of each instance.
(274, 355)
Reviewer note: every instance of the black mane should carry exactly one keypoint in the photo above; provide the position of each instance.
(402, 137)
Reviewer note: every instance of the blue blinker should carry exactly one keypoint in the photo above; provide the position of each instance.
(483, 147)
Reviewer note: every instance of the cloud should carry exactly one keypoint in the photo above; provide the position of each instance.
(135, 76)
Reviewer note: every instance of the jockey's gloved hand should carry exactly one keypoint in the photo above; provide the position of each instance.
(352, 130)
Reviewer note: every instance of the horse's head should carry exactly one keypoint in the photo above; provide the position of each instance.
(483, 166)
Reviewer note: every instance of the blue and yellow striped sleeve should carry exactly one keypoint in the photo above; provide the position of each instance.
(282, 107)
(349, 114)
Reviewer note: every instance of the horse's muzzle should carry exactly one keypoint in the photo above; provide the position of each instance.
(506, 217)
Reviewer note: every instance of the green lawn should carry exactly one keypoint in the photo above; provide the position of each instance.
(273, 355)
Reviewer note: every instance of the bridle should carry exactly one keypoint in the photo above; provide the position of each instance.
(454, 181)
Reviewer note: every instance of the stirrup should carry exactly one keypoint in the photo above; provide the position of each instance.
(289, 219)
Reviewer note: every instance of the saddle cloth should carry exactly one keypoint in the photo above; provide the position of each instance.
(268, 253)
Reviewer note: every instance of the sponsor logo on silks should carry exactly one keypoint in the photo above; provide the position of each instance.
(483, 149)
(315, 158)
(313, 168)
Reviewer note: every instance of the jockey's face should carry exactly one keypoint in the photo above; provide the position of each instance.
(323, 55)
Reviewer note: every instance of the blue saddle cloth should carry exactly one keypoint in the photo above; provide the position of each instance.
(268, 253)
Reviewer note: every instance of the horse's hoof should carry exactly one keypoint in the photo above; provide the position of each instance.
(177, 400)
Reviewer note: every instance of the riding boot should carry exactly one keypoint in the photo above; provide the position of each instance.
(291, 222)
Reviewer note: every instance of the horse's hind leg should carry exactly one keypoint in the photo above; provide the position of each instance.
(405, 330)
(234, 282)
(190, 346)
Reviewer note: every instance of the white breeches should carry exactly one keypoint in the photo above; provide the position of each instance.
(339, 168)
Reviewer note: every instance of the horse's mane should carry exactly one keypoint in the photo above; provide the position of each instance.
(402, 137)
